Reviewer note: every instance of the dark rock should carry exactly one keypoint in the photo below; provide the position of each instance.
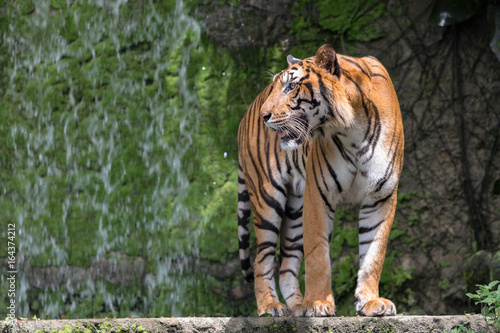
(118, 268)
(478, 269)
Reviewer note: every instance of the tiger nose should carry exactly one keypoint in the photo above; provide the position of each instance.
(266, 116)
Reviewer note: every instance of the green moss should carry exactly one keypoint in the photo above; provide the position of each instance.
(57, 4)
(106, 327)
(336, 21)
(26, 7)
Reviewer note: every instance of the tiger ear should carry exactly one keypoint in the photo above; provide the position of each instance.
(327, 58)
(292, 60)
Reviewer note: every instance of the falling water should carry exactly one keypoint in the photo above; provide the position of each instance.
(100, 132)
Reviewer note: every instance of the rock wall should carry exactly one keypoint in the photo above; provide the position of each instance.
(447, 83)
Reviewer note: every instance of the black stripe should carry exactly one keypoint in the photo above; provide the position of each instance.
(276, 158)
(294, 247)
(265, 245)
(304, 157)
(325, 200)
(293, 215)
(371, 211)
(378, 201)
(243, 196)
(390, 168)
(322, 90)
(294, 294)
(272, 202)
(372, 57)
(288, 271)
(288, 166)
(363, 230)
(286, 255)
(293, 240)
(346, 74)
(241, 181)
(332, 172)
(244, 243)
(270, 171)
(321, 169)
(244, 219)
(358, 66)
(342, 149)
(259, 177)
(266, 225)
(268, 254)
(366, 242)
(245, 264)
(248, 277)
(264, 274)
(305, 78)
(377, 74)
(375, 133)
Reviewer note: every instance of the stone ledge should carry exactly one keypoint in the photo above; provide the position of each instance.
(406, 324)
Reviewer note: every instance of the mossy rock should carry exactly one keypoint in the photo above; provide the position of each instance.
(478, 269)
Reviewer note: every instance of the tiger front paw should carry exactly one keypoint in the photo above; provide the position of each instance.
(318, 308)
(377, 307)
(274, 309)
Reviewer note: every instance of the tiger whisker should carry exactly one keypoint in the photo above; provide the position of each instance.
(270, 75)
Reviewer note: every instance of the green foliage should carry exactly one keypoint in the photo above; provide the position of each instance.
(338, 19)
(488, 296)
(461, 328)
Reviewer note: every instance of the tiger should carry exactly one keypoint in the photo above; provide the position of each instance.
(327, 130)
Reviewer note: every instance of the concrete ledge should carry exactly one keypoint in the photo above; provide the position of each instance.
(406, 324)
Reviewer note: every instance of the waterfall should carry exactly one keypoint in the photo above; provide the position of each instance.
(99, 118)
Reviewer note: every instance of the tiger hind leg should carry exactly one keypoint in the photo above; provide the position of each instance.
(268, 215)
(265, 286)
(291, 254)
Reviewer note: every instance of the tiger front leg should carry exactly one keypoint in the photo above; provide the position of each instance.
(317, 227)
(375, 221)
(265, 286)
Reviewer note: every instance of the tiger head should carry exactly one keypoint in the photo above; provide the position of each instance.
(306, 96)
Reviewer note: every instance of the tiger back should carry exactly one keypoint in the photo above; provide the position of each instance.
(334, 134)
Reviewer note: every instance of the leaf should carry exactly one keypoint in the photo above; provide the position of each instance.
(484, 311)
(492, 284)
(472, 296)
(488, 300)
(448, 12)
